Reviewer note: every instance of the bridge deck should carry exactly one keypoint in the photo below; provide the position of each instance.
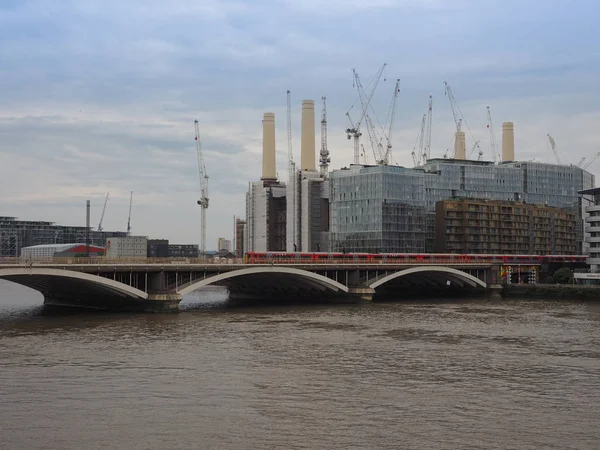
(172, 267)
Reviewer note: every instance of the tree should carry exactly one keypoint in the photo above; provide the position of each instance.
(563, 275)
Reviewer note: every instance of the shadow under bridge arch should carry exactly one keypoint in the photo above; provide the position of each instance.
(270, 281)
(72, 288)
(428, 278)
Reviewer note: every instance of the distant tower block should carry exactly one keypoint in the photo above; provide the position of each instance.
(460, 147)
(508, 141)
(268, 169)
(307, 147)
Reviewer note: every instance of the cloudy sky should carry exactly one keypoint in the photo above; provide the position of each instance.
(100, 95)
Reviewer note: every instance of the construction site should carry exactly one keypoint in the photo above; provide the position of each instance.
(374, 205)
(378, 206)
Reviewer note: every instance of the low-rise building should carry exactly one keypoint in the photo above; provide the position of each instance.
(223, 244)
(127, 247)
(183, 250)
(48, 252)
(469, 225)
(158, 248)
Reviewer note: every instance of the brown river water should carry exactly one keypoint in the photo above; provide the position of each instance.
(438, 374)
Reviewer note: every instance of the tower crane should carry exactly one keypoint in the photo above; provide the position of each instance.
(453, 106)
(581, 162)
(589, 163)
(479, 154)
(387, 157)
(417, 152)
(291, 169)
(427, 149)
(493, 147)
(203, 202)
(365, 100)
(553, 146)
(324, 159)
(103, 211)
(129, 215)
(459, 118)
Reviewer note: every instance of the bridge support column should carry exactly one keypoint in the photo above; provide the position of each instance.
(364, 294)
(163, 302)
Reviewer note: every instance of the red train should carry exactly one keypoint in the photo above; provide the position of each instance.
(401, 258)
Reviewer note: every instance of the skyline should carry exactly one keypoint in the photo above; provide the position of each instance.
(101, 96)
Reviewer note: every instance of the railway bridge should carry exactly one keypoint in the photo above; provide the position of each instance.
(159, 285)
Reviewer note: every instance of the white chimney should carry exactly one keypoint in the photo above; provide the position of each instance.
(268, 170)
(508, 141)
(460, 146)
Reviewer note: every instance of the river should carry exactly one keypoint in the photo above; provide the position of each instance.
(439, 374)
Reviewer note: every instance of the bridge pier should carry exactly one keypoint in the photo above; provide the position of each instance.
(364, 294)
(163, 302)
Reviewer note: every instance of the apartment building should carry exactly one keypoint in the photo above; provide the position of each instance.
(504, 227)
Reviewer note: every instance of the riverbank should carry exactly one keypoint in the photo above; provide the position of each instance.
(554, 291)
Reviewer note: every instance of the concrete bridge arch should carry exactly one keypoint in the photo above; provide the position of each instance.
(438, 273)
(45, 280)
(269, 277)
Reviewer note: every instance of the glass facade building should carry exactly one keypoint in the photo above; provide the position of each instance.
(16, 234)
(392, 209)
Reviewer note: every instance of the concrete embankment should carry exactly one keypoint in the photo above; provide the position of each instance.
(552, 291)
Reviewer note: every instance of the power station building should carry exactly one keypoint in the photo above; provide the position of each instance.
(293, 216)
(389, 209)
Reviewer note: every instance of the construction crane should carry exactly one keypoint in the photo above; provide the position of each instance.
(375, 138)
(387, 155)
(581, 162)
(589, 163)
(203, 202)
(324, 155)
(365, 101)
(417, 152)
(453, 106)
(459, 117)
(129, 215)
(553, 146)
(479, 154)
(103, 211)
(291, 169)
(427, 147)
(493, 147)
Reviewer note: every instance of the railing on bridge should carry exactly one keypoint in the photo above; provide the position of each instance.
(280, 258)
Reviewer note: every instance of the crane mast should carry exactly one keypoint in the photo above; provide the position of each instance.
(203, 202)
(103, 211)
(417, 152)
(493, 147)
(427, 149)
(553, 146)
(459, 117)
(453, 106)
(291, 168)
(129, 215)
(387, 158)
(324, 159)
